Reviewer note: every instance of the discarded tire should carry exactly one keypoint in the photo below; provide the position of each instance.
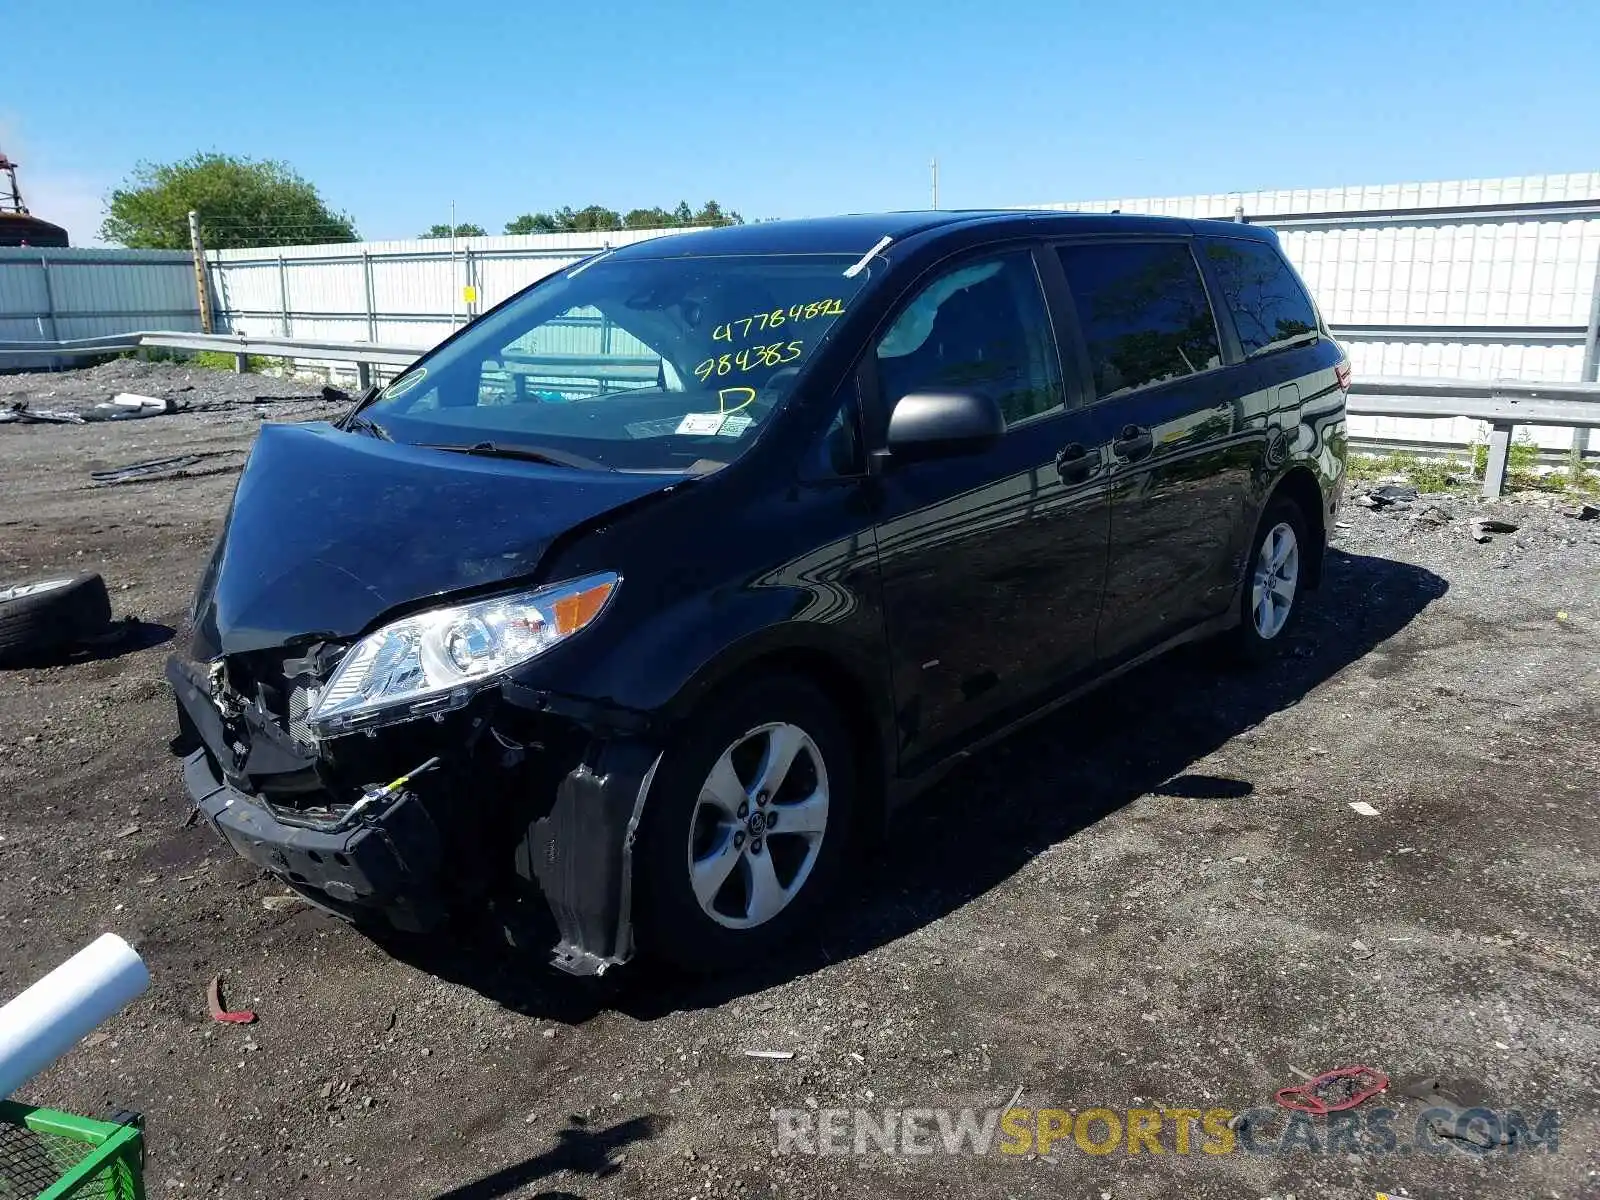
(43, 616)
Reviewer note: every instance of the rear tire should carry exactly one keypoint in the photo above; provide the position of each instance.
(747, 827)
(42, 617)
(1275, 579)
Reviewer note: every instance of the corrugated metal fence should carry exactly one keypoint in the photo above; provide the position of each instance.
(1475, 279)
(48, 294)
(400, 293)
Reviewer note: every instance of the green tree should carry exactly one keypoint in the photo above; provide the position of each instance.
(649, 218)
(241, 202)
(598, 218)
(595, 218)
(711, 214)
(535, 223)
(465, 229)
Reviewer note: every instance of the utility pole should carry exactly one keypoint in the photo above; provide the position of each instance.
(201, 291)
(454, 285)
(933, 166)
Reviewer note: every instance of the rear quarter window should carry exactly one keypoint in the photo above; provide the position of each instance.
(1270, 307)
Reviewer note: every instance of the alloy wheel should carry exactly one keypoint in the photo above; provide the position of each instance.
(758, 825)
(1277, 573)
(32, 589)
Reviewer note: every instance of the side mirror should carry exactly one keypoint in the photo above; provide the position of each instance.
(943, 424)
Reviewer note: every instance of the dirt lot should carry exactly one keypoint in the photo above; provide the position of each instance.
(1160, 898)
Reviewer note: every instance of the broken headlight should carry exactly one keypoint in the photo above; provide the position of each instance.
(437, 660)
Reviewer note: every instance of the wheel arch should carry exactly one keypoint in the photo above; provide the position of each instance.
(834, 672)
(1299, 486)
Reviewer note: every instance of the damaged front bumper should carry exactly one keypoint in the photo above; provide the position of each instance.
(562, 823)
(387, 866)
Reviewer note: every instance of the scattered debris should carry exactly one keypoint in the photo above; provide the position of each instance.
(20, 414)
(1393, 494)
(1482, 527)
(179, 467)
(769, 1054)
(153, 466)
(1433, 515)
(140, 406)
(285, 901)
(1333, 1091)
(128, 831)
(99, 1038)
(1445, 1112)
(1365, 809)
(1362, 950)
(125, 406)
(242, 1016)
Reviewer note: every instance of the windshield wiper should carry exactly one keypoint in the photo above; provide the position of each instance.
(539, 454)
(367, 426)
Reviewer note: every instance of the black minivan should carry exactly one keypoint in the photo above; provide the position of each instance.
(656, 588)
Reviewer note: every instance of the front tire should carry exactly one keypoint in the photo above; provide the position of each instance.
(1274, 584)
(747, 827)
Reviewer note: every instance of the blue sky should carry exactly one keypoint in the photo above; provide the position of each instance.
(395, 109)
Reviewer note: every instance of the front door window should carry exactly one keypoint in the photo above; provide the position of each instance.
(981, 327)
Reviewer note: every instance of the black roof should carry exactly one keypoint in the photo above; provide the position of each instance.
(859, 233)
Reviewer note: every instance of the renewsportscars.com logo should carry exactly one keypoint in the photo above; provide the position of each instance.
(1045, 1132)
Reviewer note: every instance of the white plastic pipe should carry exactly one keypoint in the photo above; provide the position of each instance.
(51, 1017)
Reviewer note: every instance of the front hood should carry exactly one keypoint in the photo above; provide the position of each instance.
(329, 530)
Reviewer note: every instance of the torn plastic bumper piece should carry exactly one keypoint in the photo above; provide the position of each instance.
(389, 863)
(581, 855)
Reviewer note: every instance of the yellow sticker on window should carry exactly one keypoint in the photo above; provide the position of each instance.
(469, 294)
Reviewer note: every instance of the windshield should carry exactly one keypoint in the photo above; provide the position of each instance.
(631, 364)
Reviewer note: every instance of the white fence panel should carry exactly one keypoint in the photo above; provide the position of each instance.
(1503, 294)
(1476, 279)
(407, 293)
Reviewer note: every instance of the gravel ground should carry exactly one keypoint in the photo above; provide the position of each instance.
(79, 391)
(1159, 898)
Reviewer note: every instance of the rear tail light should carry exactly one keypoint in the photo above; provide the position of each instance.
(1341, 373)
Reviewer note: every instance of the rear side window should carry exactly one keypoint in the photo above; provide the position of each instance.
(1270, 308)
(1144, 313)
(981, 327)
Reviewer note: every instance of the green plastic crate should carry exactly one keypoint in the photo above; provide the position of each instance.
(49, 1155)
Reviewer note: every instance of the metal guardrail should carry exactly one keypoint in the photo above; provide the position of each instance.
(230, 343)
(365, 355)
(1503, 404)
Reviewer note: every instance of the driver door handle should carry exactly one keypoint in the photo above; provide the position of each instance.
(1075, 463)
(1133, 443)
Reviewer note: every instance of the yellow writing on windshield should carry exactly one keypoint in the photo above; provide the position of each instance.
(751, 358)
(741, 326)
